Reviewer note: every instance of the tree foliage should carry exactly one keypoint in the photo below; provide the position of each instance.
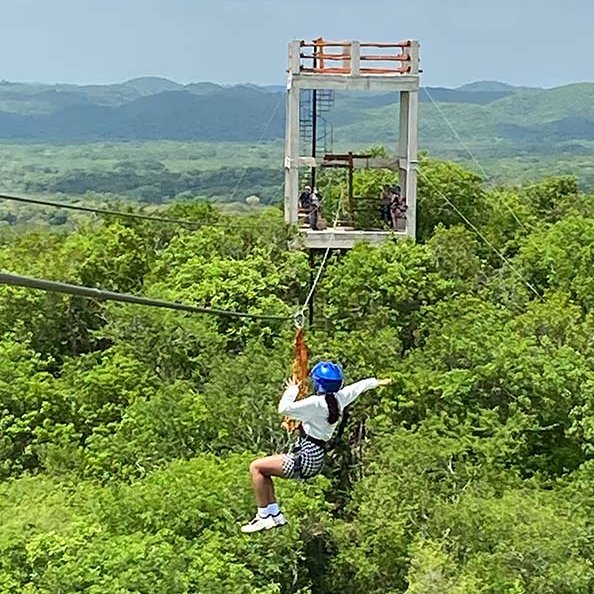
(127, 432)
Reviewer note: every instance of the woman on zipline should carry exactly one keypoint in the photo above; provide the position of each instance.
(319, 416)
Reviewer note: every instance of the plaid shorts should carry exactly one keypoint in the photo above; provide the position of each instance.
(304, 461)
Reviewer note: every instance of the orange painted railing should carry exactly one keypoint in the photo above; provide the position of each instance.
(315, 56)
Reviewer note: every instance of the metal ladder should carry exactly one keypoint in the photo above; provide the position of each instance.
(324, 132)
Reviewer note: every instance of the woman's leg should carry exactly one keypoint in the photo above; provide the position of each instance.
(262, 470)
(269, 515)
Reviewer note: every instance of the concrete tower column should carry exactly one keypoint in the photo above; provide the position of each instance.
(292, 138)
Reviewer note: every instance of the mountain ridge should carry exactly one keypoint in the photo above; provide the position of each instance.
(155, 108)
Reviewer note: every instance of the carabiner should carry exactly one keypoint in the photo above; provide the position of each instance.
(299, 319)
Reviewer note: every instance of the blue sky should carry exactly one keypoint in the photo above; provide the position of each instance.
(523, 42)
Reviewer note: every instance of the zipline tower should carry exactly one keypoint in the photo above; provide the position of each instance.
(353, 66)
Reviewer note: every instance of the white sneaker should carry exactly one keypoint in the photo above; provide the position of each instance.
(259, 523)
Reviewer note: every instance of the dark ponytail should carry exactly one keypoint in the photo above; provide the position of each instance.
(333, 411)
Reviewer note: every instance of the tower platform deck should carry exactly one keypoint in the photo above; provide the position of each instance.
(341, 238)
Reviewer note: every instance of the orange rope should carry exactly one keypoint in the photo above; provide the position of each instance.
(300, 369)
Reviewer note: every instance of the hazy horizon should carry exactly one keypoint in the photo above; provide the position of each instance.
(279, 84)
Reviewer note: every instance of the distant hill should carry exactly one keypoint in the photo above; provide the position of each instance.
(498, 124)
(151, 85)
(237, 113)
(203, 88)
(490, 115)
(486, 86)
(445, 95)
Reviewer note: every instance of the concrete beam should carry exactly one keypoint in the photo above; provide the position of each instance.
(370, 163)
(343, 82)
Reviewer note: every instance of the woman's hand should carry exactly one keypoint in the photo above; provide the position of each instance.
(384, 382)
(291, 382)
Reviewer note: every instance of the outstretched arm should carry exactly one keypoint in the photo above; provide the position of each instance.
(349, 393)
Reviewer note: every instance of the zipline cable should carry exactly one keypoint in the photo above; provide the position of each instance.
(476, 230)
(470, 154)
(117, 213)
(264, 130)
(57, 287)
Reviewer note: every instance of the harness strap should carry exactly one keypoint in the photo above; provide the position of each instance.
(319, 442)
(343, 422)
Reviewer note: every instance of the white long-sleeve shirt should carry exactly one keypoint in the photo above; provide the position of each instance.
(313, 410)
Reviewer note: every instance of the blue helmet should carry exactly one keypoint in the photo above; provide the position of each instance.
(327, 377)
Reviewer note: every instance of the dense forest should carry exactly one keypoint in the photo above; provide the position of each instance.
(127, 432)
(149, 172)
